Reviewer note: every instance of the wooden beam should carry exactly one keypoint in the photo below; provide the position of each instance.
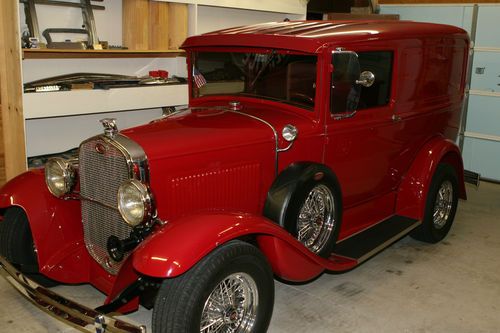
(12, 140)
(158, 25)
(135, 24)
(177, 24)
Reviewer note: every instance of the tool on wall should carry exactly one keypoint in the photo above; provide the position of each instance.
(100, 81)
(33, 38)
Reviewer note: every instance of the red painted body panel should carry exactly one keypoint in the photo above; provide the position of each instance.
(311, 36)
(413, 190)
(168, 252)
(208, 160)
(55, 225)
(57, 232)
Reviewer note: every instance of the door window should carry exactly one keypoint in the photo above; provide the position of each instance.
(380, 64)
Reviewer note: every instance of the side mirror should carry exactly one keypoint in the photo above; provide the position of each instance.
(345, 91)
(366, 79)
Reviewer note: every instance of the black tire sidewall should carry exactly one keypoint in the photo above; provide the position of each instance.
(444, 172)
(244, 264)
(16, 238)
(297, 200)
(190, 291)
(17, 244)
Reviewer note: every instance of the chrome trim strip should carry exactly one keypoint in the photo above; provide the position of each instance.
(277, 150)
(388, 242)
(71, 313)
(98, 202)
(286, 148)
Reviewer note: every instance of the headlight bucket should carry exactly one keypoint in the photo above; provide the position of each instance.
(59, 176)
(134, 202)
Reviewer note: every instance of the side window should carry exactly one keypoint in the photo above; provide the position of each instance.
(380, 64)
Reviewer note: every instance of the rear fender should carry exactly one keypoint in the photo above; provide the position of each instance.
(180, 244)
(55, 225)
(412, 193)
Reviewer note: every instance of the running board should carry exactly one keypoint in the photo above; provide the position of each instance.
(472, 177)
(367, 243)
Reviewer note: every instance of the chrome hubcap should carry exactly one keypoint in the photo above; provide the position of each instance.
(316, 218)
(232, 306)
(443, 204)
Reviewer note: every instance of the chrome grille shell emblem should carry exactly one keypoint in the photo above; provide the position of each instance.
(100, 148)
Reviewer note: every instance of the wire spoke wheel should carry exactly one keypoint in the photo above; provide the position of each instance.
(232, 306)
(440, 205)
(230, 290)
(443, 204)
(316, 220)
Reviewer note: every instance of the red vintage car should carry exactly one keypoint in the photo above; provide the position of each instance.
(307, 146)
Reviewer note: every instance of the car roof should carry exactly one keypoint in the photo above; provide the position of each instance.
(312, 36)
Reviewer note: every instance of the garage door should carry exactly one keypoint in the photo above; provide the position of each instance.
(481, 136)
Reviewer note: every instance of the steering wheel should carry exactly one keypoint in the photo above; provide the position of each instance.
(302, 98)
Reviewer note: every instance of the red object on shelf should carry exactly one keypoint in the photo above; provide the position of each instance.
(163, 74)
(154, 74)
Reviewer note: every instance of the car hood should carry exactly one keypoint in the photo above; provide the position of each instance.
(198, 130)
(202, 129)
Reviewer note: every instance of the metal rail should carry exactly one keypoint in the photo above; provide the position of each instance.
(76, 315)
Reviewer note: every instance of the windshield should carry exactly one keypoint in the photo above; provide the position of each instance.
(289, 78)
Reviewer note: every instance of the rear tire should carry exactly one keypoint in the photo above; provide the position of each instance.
(231, 288)
(17, 246)
(440, 207)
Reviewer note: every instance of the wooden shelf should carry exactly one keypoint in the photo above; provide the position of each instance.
(61, 54)
(78, 102)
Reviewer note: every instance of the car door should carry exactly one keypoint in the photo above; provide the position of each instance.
(362, 142)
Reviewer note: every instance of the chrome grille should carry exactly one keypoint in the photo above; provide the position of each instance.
(102, 171)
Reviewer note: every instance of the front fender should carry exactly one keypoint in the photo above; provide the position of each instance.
(180, 244)
(55, 225)
(412, 193)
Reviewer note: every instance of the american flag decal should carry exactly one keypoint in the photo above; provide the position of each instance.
(198, 78)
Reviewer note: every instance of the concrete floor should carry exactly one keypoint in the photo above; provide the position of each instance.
(453, 286)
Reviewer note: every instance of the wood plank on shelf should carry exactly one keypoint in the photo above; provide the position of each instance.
(135, 24)
(177, 24)
(12, 141)
(158, 25)
(60, 53)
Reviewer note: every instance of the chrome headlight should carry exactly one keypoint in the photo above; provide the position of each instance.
(59, 176)
(134, 202)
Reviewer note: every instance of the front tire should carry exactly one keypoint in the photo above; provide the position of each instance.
(17, 246)
(440, 207)
(230, 290)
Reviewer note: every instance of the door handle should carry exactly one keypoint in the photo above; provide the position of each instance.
(396, 118)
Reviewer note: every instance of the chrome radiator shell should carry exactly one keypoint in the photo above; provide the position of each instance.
(104, 164)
